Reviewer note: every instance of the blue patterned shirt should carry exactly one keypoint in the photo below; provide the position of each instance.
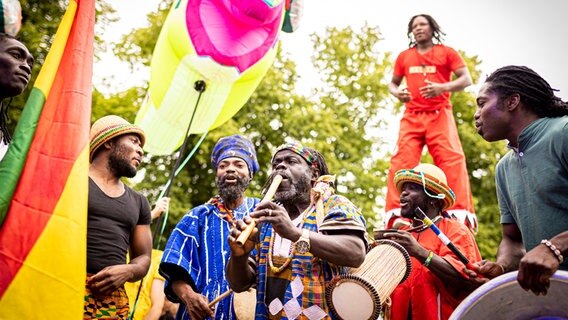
(197, 253)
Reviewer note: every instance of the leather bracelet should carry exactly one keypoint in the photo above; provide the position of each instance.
(553, 248)
(428, 259)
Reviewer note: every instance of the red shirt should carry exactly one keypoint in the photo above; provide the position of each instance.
(436, 65)
(423, 294)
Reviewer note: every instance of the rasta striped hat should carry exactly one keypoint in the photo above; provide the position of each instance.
(299, 149)
(109, 127)
(432, 179)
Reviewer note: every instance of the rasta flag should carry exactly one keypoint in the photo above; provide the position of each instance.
(44, 182)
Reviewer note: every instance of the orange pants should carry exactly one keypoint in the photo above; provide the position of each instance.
(437, 130)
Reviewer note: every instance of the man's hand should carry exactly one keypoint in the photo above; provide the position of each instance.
(197, 304)
(161, 206)
(236, 249)
(536, 268)
(109, 279)
(406, 240)
(432, 89)
(279, 218)
(403, 95)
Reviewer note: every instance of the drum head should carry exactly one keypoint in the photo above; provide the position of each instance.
(350, 298)
(245, 304)
(503, 298)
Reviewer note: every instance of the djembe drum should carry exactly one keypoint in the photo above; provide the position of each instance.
(503, 298)
(360, 293)
(244, 304)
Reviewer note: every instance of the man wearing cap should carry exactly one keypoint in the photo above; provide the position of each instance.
(302, 244)
(118, 218)
(196, 253)
(437, 282)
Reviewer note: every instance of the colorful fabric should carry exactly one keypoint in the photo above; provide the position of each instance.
(145, 297)
(299, 291)
(423, 294)
(235, 146)
(299, 149)
(44, 179)
(109, 127)
(197, 252)
(112, 306)
(532, 182)
(436, 129)
(432, 179)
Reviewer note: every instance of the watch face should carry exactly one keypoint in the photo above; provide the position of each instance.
(302, 246)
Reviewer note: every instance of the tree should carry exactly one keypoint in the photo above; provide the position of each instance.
(336, 119)
(40, 20)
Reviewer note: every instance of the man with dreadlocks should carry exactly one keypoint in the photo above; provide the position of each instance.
(427, 67)
(517, 104)
(304, 238)
(15, 72)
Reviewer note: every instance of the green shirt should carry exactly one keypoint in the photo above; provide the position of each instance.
(532, 182)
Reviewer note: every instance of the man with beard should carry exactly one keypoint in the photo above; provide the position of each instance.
(196, 253)
(15, 72)
(118, 218)
(437, 282)
(302, 242)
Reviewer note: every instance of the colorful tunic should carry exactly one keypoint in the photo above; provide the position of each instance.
(197, 253)
(423, 296)
(298, 292)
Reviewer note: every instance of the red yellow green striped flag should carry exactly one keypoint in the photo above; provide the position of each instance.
(44, 182)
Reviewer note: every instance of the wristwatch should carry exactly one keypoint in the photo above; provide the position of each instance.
(303, 244)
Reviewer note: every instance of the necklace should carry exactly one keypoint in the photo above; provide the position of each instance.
(273, 268)
(423, 226)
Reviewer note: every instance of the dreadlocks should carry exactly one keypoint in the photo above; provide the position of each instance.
(437, 32)
(536, 94)
(6, 137)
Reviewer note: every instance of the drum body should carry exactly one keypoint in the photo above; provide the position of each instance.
(503, 298)
(360, 293)
(244, 304)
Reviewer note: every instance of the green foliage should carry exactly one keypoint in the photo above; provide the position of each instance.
(340, 118)
(40, 20)
(481, 158)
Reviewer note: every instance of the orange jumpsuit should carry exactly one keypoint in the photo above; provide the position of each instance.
(430, 122)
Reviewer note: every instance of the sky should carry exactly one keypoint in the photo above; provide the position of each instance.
(500, 32)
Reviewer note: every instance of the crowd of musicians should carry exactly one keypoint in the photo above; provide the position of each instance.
(304, 236)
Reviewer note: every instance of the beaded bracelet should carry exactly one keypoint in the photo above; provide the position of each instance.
(553, 249)
(428, 259)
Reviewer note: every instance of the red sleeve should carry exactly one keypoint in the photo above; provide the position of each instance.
(399, 65)
(464, 240)
(455, 61)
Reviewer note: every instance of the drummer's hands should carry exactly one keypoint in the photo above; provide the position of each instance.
(536, 268)
(277, 216)
(197, 304)
(236, 249)
(406, 240)
(482, 272)
(487, 269)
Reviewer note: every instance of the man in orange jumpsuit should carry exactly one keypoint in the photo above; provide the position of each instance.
(428, 118)
(437, 282)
